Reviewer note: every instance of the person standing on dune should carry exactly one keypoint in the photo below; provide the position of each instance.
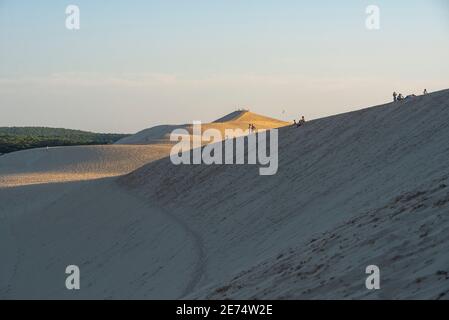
(395, 96)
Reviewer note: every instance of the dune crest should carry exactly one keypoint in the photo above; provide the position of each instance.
(234, 120)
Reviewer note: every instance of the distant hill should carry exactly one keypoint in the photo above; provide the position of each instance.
(21, 138)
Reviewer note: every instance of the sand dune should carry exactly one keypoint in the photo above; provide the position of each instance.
(62, 164)
(80, 163)
(60, 206)
(366, 187)
(234, 120)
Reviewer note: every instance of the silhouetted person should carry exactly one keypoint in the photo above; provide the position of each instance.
(395, 96)
(425, 91)
(400, 97)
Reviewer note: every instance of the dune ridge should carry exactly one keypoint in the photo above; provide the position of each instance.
(234, 120)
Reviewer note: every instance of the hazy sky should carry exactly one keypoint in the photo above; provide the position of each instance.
(134, 64)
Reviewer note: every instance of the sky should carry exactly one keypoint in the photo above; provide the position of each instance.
(135, 64)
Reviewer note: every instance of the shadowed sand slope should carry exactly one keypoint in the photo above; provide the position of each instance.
(124, 247)
(234, 120)
(366, 187)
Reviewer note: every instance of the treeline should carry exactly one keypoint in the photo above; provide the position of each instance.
(21, 138)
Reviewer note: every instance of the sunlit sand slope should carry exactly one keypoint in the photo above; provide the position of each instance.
(234, 120)
(74, 163)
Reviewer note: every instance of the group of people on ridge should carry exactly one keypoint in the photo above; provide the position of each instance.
(300, 122)
(396, 97)
(252, 128)
(400, 97)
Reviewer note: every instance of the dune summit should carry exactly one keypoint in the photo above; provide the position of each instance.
(232, 121)
(370, 187)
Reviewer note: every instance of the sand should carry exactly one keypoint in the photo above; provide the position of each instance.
(62, 206)
(367, 187)
(362, 188)
(80, 163)
(235, 120)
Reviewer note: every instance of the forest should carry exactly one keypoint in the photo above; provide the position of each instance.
(21, 138)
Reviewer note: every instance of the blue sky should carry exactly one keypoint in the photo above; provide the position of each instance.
(134, 64)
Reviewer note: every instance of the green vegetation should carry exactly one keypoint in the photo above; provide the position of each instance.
(21, 138)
